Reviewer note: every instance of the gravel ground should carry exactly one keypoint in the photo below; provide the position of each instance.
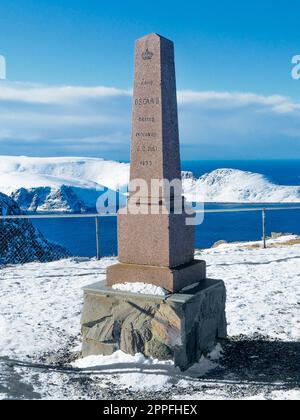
(258, 368)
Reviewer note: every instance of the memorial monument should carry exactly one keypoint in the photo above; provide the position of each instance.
(156, 248)
(155, 238)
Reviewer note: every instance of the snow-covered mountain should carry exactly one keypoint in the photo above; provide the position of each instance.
(44, 199)
(60, 184)
(20, 241)
(74, 184)
(235, 186)
(86, 173)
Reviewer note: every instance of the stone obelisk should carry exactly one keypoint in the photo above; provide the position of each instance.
(157, 245)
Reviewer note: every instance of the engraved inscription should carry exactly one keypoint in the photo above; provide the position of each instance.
(146, 149)
(147, 119)
(144, 135)
(145, 82)
(146, 162)
(147, 101)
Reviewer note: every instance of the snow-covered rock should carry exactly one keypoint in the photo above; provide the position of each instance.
(46, 199)
(20, 241)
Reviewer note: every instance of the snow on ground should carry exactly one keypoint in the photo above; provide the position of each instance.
(152, 374)
(40, 307)
(41, 304)
(263, 287)
(136, 378)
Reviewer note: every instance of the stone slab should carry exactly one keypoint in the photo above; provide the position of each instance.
(171, 279)
(180, 326)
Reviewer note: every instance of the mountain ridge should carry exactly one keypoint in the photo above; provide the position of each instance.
(75, 184)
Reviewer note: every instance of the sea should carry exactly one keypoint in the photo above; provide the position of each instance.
(78, 236)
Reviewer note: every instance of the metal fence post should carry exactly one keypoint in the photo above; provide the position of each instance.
(264, 237)
(97, 238)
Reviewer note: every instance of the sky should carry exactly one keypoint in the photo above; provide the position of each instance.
(70, 74)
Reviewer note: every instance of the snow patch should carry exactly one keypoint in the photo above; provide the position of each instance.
(141, 373)
(241, 245)
(142, 288)
(138, 374)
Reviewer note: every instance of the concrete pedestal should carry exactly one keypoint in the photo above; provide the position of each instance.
(180, 326)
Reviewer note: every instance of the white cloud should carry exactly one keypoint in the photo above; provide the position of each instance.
(50, 120)
(273, 103)
(37, 94)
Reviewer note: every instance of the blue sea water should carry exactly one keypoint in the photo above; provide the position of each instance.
(78, 235)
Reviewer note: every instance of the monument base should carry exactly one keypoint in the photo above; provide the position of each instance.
(171, 279)
(179, 327)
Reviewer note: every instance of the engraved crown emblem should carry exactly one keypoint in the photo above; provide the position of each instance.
(147, 55)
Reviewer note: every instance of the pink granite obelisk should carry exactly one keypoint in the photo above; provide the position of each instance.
(155, 247)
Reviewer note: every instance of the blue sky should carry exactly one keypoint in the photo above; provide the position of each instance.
(224, 50)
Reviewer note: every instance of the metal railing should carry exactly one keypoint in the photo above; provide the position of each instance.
(49, 251)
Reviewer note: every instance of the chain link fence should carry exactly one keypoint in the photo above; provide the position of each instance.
(45, 238)
(21, 242)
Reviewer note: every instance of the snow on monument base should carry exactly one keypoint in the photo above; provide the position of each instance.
(171, 279)
(179, 327)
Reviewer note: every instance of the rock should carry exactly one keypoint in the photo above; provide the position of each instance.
(102, 330)
(20, 241)
(166, 325)
(276, 235)
(180, 327)
(216, 244)
(159, 350)
(134, 331)
(43, 199)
